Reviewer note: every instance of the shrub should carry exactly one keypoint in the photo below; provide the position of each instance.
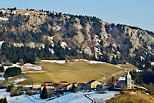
(16, 92)
(1, 69)
(44, 94)
(8, 89)
(3, 100)
(13, 71)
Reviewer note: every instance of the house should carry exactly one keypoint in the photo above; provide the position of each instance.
(61, 87)
(48, 85)
(69, 86)
(92, 84)
(80, 86)
(36, 85)
(64, 82)
(121, 84)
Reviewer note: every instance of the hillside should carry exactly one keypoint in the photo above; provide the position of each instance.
(131, 98)
(29, 35)
(79, 71)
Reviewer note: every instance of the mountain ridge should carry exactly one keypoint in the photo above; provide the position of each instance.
(49, 35)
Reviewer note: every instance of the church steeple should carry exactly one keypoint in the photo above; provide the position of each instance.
(128, 80)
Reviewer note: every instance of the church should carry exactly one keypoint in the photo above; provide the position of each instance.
(125, 83)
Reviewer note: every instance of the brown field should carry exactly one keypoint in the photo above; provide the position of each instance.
(72, 72)
(132, 98)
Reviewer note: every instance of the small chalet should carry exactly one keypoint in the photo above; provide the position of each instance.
(48, 85)
(36, 85)
(92, 84)
(61, 87)
(64, 82)
(80, 86)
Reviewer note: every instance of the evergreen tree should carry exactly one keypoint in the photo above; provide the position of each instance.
(44, 94)
(13, 71)
(8, 89)
(74, 88)
(3, 100)
(1, 69)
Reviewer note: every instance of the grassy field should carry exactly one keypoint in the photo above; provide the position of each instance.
(132, 98)
(79, 71)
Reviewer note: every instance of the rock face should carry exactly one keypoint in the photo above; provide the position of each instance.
(87, 37)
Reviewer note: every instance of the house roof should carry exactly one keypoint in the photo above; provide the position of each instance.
(37, 84)
(90, 82)
(63, 82)
(80, 84)
(44, 84)
(118, 85)
(47, 84)
(60, 86)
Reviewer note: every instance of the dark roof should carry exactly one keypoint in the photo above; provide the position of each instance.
(90, 81)
(118, 85)
(99, 85)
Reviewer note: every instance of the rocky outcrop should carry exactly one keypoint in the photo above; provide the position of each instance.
(88, 36)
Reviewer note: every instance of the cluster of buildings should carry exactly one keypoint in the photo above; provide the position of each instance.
(126, 83)
(65, 86)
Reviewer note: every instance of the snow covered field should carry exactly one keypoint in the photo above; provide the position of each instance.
(106, 96)
(78, 97)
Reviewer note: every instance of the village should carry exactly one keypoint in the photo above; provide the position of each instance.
(51, 91)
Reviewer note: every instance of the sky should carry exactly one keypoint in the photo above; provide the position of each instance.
(130, 12)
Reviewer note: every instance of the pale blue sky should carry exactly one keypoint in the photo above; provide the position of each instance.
(131, 12)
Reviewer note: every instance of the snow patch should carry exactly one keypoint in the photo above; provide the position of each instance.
(27, 13)
(72, 98)
(152, 63)
(2, 78)
(90, 61)
(95, 62)
(137, 70)
(78, 97)
(63, 44)
(37, 68)
(3, 19)
(32, 66)
(52, 51)
(105, 96)
(28, 86)
(122, 78)
(3, 11)
(19, 80)
(55, 61)
(1, 42)
(133, 93)
(142, 58)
